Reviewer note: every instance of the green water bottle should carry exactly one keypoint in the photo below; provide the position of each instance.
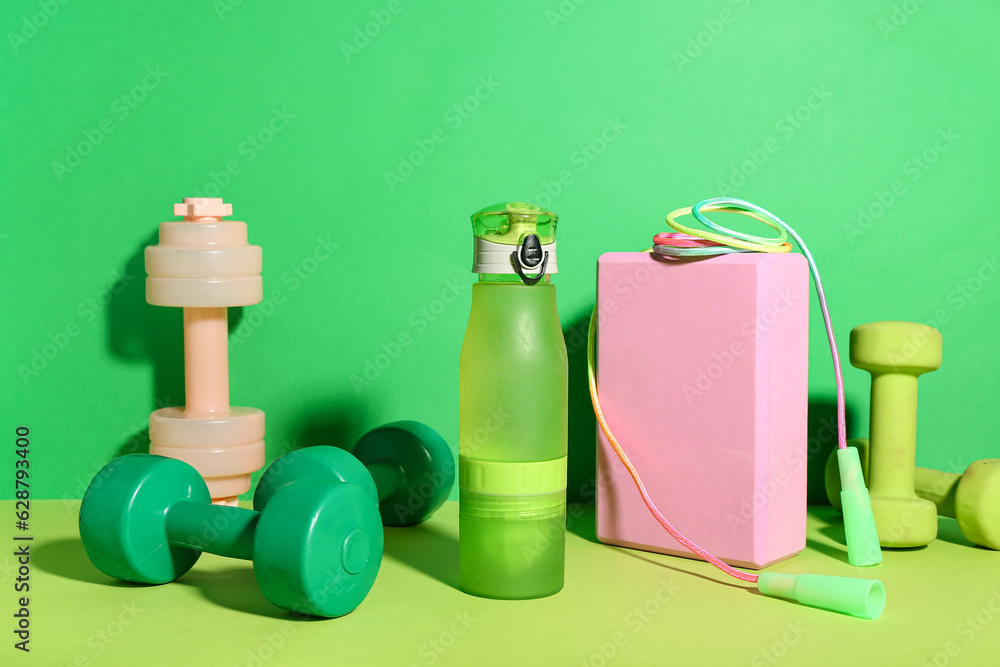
(513, 411)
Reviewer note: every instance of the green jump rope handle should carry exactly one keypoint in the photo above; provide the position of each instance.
(859, 523)
(864, 598)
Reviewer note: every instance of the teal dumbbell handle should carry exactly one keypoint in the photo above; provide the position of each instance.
(216, 529)
(388, 477)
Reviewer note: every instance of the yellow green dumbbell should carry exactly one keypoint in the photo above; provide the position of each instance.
(896, 354)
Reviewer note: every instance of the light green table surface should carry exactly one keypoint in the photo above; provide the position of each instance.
(618, 607)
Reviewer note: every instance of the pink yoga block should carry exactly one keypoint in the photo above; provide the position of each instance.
(702, 371)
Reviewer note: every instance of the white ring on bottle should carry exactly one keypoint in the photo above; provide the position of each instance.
(493, 257)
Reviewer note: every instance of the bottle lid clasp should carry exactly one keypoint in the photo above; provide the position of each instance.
(528, 255)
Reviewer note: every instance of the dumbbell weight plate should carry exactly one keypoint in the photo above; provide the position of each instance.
(224, 446)
(426, 460)
(318, 547)
(123, 517)
(203, 265)
(320, 462)
(976, 503)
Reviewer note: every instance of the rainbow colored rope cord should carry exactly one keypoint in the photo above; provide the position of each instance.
(688, 242)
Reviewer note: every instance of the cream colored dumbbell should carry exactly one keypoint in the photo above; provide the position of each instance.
(204, 265)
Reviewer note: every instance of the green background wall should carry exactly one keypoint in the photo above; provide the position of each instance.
(356, 160)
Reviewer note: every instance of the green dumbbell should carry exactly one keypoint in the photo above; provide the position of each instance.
(972, 498)
(896, 354)
(410, 467)
(316, 549)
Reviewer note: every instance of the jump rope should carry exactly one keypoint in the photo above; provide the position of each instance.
(860, 525)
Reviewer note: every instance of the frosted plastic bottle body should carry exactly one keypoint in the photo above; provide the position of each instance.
(512, 442)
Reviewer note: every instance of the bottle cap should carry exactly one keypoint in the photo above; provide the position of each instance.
(515, 237)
